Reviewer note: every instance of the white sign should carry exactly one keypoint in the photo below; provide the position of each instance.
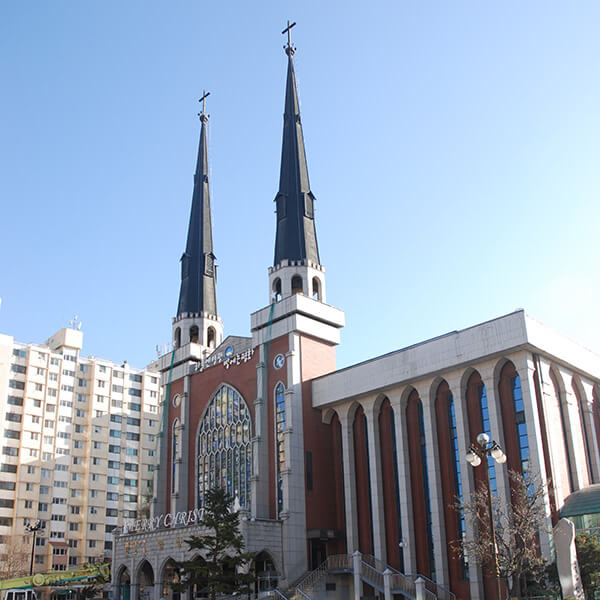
(169, 520)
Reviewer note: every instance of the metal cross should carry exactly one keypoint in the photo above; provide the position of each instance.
(205, 95)
(289, 35)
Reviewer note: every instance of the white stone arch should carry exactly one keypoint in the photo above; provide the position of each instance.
(328, 414)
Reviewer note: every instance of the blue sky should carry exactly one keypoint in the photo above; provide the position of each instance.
(453, 149)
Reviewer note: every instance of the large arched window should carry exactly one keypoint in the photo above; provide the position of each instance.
(279, 427)
(224, 448)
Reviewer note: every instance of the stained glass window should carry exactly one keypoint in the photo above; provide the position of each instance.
(279, 427)
(224, 448)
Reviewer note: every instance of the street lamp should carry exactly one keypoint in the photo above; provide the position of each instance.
(477, 452)
(33, 528)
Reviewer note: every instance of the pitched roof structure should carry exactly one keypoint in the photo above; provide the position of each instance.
(198, 273)
(296, 238)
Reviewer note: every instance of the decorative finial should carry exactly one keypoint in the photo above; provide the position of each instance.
(202, 113)
(289, 49)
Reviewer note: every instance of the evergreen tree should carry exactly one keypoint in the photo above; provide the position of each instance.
(221, 550)
(588, 557)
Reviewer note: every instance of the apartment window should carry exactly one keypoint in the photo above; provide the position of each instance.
(112, 512)
(93, 525)
(95, 461)
(82, 382)
(75, 476)
(59, 551)
(58, 518)
(81, 398)
(117, 388)
(30, 469)
(34, 436)
(133, 421)
(95, 477)
(77, 444)
(99, 413)
(113, 480)
(116, 418)
(93, 493)
(10, 451)
(9, 468)
(153, 394)
(51, 407)
(15, 400)
(16, 385)
(49, 423)
(28, 503)
(114, 464)
(68, 373)
(153, 379)
(63, 451)
(102, 368)
(44, 490)
(60, 484)
(61, 467)
(153, 409)
(131, 467)
(100, 383)
(131, 452)
(7, 485)
(66, 403)
(72, 543)
(116, 403)
(130, 482)
(12, 434)
(132, 436)
(48, 439)
(35, 419)
(42, 507)
(64, 435)
(112, 496)
(136, 378)
(66, 388)
(150, 452)
(83, 368)
(79, 429)
(14, 417)
(77, 460)
(135, 392)
(92, 543)
(114, 449)
(96, 445)
(40, 371)
(73, 526)
(53, 376)
(79, 412)
(130, 498)
(46, 456)
(74, 510)
(72, 561)
(151, 422)
(150, 468)
(54, 361)
(115, 433)
(19, 353)
(45, 473)
(19, 369)
(57, 534)
(5, 503)
(36, 403)
(5, 522)
(39, 387)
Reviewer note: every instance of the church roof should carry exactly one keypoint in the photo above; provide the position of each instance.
(296, 238)
(198, 273)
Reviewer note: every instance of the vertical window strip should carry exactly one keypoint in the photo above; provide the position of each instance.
(564, 430)
(584, 432)
(429, 523)
(174, 454)
(280, 450)
(458, 491)
(224, 451)
(521, 423)
(397, 487)
(485, 420)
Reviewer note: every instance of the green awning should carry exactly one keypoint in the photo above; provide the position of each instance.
(585, 501)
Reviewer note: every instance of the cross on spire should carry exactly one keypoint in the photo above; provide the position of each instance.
(202, 113)
(289, 49)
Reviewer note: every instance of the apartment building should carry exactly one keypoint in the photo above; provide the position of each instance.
(77, 449)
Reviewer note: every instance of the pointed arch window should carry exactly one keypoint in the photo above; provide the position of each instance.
(175, 454)
(280, 419)
(224, 447)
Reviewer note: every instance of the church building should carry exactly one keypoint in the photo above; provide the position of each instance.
(352, 472)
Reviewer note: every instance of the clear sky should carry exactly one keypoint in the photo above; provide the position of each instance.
(453, 148)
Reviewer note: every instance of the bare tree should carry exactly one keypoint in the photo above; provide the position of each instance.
(517, 527)
(15, 562)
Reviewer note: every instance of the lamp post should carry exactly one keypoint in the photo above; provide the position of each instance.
(33, 528)
(477, 452)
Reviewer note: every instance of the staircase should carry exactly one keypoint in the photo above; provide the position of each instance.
(372, 571)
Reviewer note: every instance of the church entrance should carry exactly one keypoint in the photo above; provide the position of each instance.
(318, 553)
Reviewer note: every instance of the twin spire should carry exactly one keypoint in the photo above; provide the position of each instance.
(295, 239)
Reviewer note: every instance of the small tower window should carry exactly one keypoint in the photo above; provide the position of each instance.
(277, 290)
(316, 288)
(194, 334)
(177, 338)
(296, 284)
(211, 337)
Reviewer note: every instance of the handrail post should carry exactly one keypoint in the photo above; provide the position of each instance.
(420, 588)
(387, 584)
(356, 556)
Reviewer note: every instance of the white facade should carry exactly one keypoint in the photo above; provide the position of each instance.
(78, 448)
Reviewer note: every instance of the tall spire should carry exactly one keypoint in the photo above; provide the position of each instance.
(296, 238)
(198, 276)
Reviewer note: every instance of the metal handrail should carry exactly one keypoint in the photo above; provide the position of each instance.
(438, 589)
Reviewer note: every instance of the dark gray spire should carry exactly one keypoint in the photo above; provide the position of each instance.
(296, 238)
(198, 275)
